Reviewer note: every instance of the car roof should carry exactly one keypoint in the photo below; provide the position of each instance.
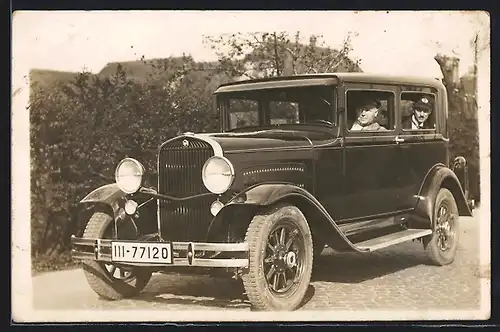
(327, 79)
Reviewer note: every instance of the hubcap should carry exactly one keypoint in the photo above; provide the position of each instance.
(291, 259)
(283, 258)
(444, 228)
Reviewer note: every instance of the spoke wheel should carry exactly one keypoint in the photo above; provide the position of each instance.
(284, 254)
(280, 259)
(444, 228)
(110, 281)
(442, 245)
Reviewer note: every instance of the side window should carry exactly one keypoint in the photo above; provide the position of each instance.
(243, 113)
(283, 112)
(370, 110)
(418, 111)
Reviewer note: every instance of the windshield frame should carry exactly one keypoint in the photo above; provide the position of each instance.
(222, 99)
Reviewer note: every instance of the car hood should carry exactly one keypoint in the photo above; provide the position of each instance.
(267, 139)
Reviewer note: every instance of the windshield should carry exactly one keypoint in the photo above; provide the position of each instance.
(279, 107)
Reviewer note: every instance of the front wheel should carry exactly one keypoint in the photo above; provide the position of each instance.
(441, 246)
(109, 281)
(281, 259)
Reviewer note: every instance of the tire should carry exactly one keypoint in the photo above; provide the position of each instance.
(264, 294)
(98, 274)
(445, 226)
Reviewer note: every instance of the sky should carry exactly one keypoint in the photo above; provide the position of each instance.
(395, 42)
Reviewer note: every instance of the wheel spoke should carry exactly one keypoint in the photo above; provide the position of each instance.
(282, 236)
(276, 281)
(122, 273)
(290, 240)
(444, 212)
(446, 244)
(269, 259)
(276, 238)
(273, 249)
(112, 270)
(284, 278)
(270, 273)
(443, 242)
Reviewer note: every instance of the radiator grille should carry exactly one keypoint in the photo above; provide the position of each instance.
(180, 165)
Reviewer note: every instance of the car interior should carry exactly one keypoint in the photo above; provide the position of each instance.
(408, 99)
(356, 98)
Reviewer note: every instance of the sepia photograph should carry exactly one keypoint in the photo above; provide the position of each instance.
(188, 166)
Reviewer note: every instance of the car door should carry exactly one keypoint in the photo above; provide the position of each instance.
(371, 158)
(423, 147)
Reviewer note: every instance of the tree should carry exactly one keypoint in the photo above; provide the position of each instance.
(265, 54)
(462, 121)
(82, 128)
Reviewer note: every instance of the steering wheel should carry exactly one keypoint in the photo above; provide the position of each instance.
(321, 121)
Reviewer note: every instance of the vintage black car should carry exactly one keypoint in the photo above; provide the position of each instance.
(350, 161)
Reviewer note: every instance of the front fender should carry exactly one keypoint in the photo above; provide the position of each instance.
(439, 177)
(263, 195)
(108, 194)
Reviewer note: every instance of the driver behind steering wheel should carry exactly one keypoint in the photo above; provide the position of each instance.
(317, 113)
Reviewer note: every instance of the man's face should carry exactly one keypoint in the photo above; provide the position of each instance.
(367, 114)
(421, 114)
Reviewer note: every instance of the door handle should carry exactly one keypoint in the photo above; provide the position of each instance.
(399, 140)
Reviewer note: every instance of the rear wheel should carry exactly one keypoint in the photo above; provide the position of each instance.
(441, 246)
(109, 281)
(281, 258)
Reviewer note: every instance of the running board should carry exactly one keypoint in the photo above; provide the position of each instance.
(392, 239)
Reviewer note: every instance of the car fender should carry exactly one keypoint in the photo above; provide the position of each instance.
(108, 194)
(263, 195)
(439, 177)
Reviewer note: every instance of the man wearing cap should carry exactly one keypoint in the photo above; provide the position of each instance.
(422, 108)
(367, 114)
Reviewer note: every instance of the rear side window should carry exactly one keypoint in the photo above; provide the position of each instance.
(418, 111)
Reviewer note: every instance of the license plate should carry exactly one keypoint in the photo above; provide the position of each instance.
(137, 252)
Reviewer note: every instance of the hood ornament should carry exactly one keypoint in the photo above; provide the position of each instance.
(185, 143)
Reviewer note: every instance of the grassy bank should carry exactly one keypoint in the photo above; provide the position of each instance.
(53, 262)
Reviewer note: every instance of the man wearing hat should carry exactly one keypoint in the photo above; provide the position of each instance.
(422, 108)
(367, 114)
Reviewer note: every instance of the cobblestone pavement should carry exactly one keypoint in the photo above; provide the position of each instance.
(397, 277)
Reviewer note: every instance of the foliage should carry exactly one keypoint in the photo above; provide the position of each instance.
(462, 119)
(264, 54)
(80, 130)
(464, 138)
